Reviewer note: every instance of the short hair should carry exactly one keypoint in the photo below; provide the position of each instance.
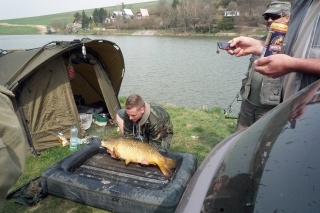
(133, 101)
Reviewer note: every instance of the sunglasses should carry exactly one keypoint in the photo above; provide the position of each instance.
(272, 16)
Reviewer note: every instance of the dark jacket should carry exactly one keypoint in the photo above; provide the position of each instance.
(269, 89)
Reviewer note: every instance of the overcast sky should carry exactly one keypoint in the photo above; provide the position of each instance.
(11, 9)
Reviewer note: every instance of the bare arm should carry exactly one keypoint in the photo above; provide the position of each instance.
(246, 46)
(278, 65)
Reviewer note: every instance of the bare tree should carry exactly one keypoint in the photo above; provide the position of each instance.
(165, 15)
(59, 25)
(233, 6)
(118, 19)
(209, 14)
(181, 18)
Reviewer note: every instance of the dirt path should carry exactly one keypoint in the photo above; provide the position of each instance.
(144, 32)
(42, 28)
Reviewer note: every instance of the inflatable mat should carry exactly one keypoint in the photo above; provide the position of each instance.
(91, 177)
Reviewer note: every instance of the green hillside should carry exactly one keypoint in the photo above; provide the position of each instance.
(68, 16)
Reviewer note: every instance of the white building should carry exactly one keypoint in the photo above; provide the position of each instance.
(127, 13)
(231, 13)
(116, 13)
(142, 13)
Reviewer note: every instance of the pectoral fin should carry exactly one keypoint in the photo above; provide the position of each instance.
(166, 166)
(144, 161)
(113, 154)
(127, 161)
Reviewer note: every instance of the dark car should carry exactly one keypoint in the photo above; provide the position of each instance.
(273, 166)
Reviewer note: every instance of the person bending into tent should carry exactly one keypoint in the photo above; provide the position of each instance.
(146, 122)
(12, 145)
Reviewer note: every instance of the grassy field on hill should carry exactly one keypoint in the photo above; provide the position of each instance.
(9, 30)
(68, 16)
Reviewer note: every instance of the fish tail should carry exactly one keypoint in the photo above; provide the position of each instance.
(170, 164)
(165, 170)
(166, 166)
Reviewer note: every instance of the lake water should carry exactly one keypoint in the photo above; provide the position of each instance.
(184, 71)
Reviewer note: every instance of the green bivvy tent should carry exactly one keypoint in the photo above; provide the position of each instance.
(44, 93)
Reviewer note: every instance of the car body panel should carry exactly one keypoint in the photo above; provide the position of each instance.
(273, 166)
(199, 182)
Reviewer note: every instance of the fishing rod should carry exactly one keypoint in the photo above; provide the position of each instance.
(229, 110)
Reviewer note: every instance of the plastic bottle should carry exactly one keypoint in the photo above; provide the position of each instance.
(73, 138)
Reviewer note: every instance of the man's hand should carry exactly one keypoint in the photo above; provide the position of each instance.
(278, 65)
(245, 46)
(274, 66)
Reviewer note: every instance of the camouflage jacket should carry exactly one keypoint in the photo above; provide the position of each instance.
(155, 127)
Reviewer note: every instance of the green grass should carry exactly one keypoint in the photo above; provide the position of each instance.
(196, 131)
(18, 30)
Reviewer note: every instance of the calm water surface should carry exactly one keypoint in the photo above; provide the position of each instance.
(184, 71)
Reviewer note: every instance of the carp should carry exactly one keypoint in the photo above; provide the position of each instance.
(135, 151)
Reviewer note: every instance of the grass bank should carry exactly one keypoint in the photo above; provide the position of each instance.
(21, 29)
(196, 131)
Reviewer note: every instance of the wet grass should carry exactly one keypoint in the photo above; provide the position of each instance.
(196, 131)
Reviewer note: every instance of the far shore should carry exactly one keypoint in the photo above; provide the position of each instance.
(42, 29)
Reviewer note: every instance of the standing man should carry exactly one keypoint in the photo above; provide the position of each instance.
(147, 122)
(259, 93)
(12, 145)
(299, 66)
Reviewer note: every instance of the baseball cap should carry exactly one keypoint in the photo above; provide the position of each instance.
(277, 7)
